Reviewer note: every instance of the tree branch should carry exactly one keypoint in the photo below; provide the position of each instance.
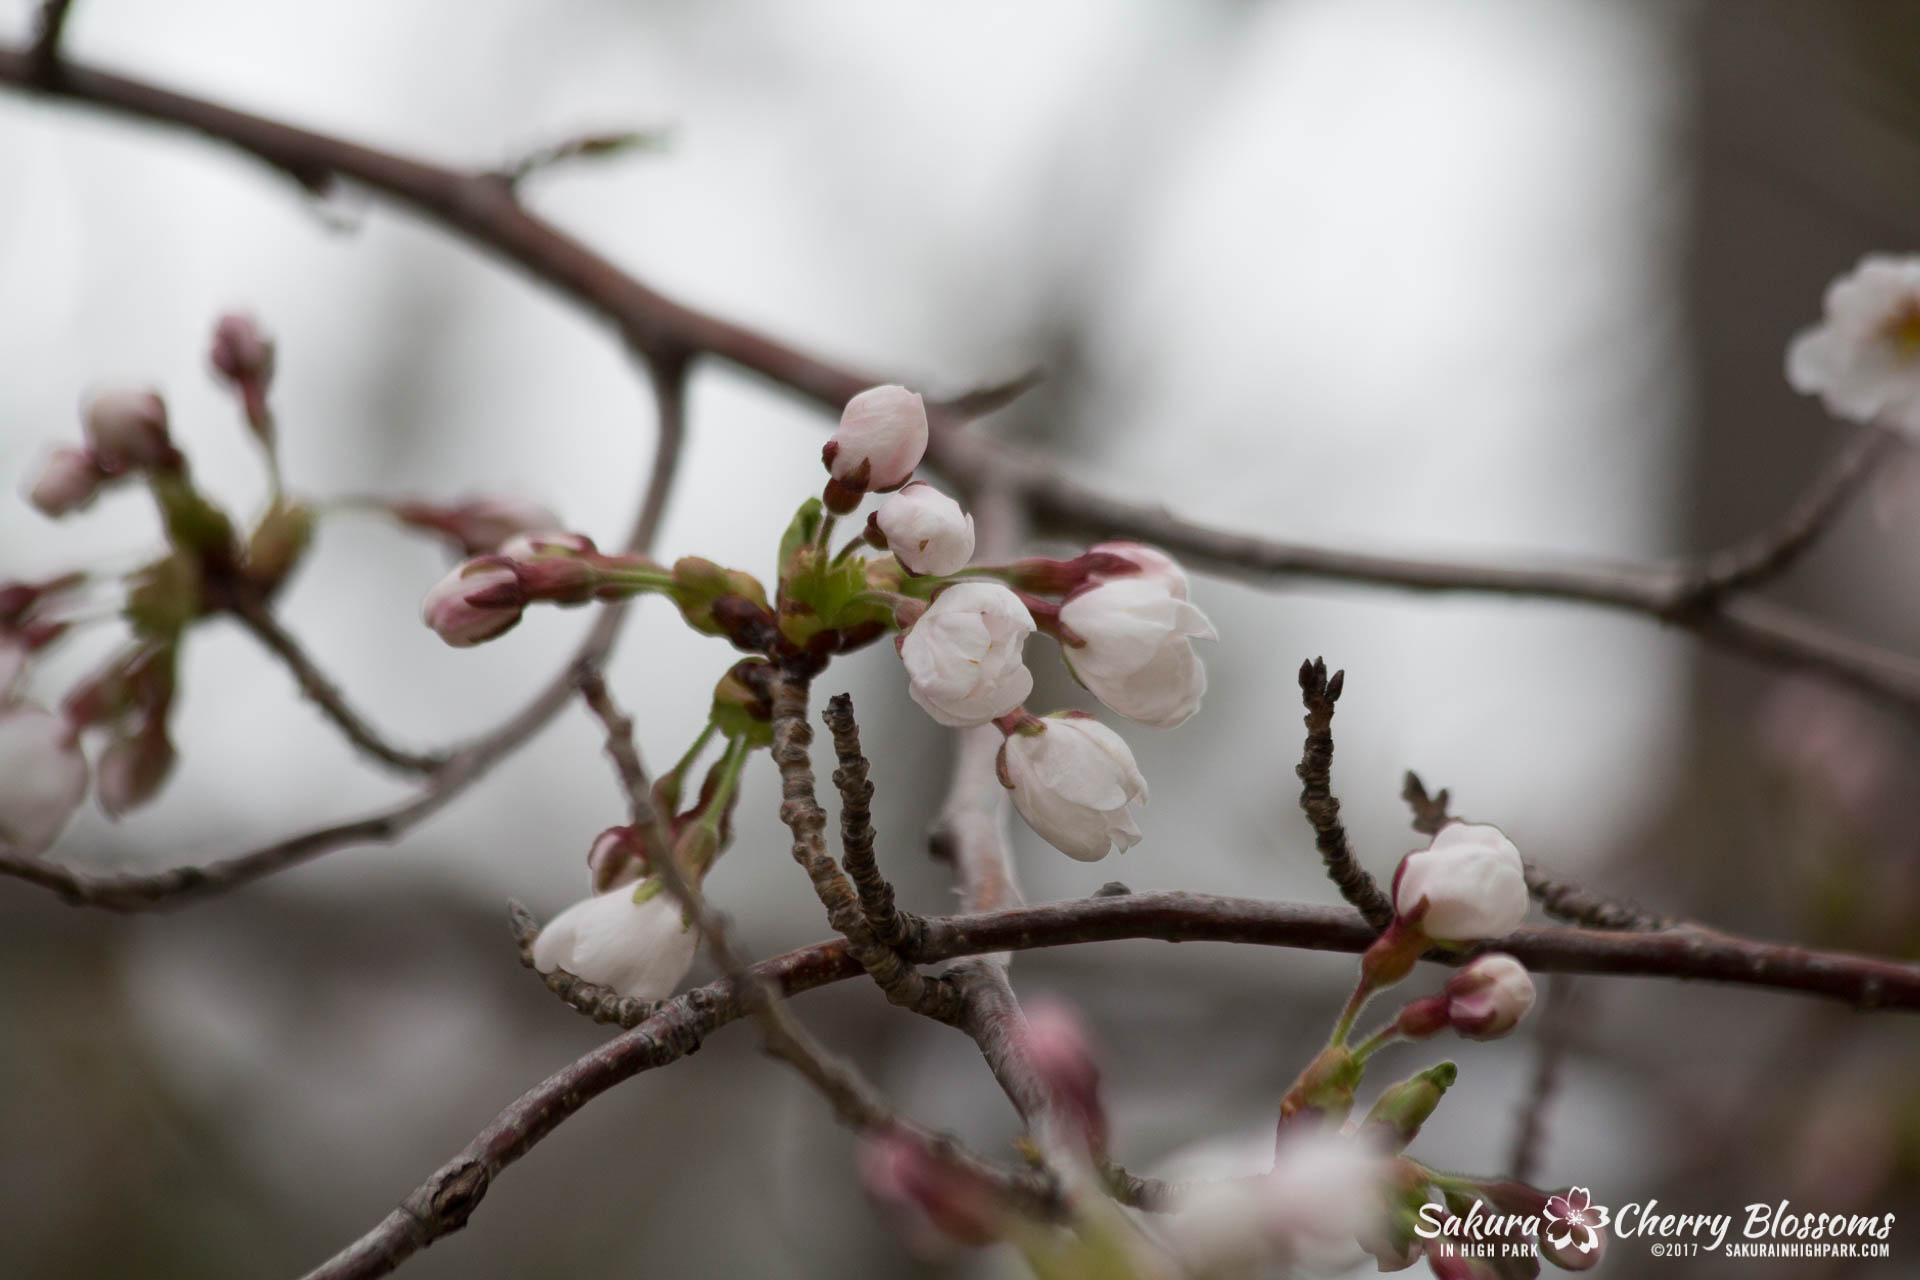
(442, 1204)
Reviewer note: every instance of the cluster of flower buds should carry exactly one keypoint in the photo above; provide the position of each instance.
(125, 433)
(1120, 614)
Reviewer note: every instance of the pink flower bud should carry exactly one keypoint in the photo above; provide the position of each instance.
(1152, 564)
(926, 530)
(1488, 998)
(1072, 779)
(1134, 648)
(932, 1193)
(133, 768)
(1056, 1047)
(127, 430)
(43, 777)
(241, 353)
(1468, 884)
(554, 566)
(881, 438)
(477, 601)
(618, 857)
(70, 481)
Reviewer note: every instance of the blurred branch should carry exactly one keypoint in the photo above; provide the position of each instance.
(1704, 596)
(174, 886)
(49, 25)
(258, 619)
(442, 1204)
(1553, 1035)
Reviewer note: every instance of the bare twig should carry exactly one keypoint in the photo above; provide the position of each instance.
(1704, 596)
(1552, 1037)
(1429, 812)
(1576, 904)
(1319, 692)
(891, 926)
(254, 614)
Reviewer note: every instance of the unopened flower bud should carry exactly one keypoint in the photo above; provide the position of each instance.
(43, 777)
(477, 601)
(1467, 885)
(639, 949)
(241, 352)
(243, 355)
(1072, 780)
(479, 525)
(277, 544)
(743, 702)
(555, 567)
(618, 856)
(933, 1193)
(963, 657)
(1396, 1118)
(127, 430)
(1324, 1193)
(1055, 1045)
(133, 768)
(1147, 562)
(69, 481)
(1488, 998)
(881, 438)
(1131, 643)
(926, 530)
(722, 602)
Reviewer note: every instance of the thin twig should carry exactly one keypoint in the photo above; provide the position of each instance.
(586, 146)
(891, 926)
(258, 619)
(1429, 812)
(1319, 692)
(479, 206)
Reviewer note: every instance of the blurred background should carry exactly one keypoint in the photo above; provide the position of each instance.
(1478, 278)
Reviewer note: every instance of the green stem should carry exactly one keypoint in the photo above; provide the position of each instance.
(1351, 1014)
(1375, 1042)
(639, 579)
